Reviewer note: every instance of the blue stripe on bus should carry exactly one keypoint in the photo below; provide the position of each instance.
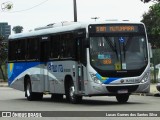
(106, 80)
(15, 69)
(109, 80)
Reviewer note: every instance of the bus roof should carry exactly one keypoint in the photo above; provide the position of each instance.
(64, 27)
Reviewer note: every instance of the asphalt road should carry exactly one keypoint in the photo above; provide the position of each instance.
(14, 100)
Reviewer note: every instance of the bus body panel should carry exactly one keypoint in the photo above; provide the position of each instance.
(54, 72)
(59, 69)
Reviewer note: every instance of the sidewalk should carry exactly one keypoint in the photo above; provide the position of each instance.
(153, 89)
(3, 84)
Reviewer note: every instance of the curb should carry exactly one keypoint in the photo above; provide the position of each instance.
(144, 94)
(3, 84)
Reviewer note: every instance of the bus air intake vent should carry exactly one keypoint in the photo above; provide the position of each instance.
(115, 89)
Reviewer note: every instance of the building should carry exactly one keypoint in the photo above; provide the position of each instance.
(5, 30)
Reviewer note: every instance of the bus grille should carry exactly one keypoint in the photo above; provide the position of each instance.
(114, 89)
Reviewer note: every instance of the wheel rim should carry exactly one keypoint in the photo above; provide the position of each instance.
(28, 89)
(72, 91)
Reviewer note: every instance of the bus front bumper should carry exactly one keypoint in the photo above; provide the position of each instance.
(113, 89)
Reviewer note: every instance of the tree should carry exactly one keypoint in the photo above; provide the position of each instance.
(146, 1)
(3, 54)
(17, 29)
(152, 20)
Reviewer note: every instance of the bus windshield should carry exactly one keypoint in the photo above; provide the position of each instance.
(118, 53)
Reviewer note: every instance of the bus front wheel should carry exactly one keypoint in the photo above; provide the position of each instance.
(122, 98)
(72, 97)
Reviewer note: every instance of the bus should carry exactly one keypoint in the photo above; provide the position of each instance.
(76, 59)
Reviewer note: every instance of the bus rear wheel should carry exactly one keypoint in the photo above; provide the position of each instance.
(71, 96)
(122, 98)
(31, 95)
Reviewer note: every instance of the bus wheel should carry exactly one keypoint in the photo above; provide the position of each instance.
(30, 95)
(122, 98)
(71, 95)
(28, 91)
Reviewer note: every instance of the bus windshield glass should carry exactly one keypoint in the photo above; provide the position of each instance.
(118, 53)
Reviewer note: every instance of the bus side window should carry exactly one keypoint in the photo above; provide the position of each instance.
(44, 51)
(33, 49)
(21, 49)
(67, 46)
(54, 46)
(12, 50)
(62, 46)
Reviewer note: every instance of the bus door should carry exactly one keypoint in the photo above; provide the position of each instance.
(44, 43)
(81, 71)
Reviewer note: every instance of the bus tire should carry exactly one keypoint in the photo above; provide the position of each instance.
(73, 98)
(122, 98)
(30, 95)
(28, 91)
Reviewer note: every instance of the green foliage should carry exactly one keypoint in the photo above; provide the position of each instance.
(153, 80)
(3, 57)
(146, 1)
(156, 56)
(151, 19)
(17, 29)
(3, 50)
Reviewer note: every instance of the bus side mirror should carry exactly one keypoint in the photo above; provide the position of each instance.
(86, 43)
(150, 50)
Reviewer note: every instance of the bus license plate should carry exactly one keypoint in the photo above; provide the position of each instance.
(122, 91)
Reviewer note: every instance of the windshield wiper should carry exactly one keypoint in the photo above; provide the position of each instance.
(124, 51)
(112, 47)
(125, 46)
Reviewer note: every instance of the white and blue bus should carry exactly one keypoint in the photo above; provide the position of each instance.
(80, 59)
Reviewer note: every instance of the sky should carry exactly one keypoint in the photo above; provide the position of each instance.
(36, 13)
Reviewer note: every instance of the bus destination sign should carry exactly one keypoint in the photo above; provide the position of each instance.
(114, 28)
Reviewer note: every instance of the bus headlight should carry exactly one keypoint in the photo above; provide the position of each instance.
(145, 78)
(94, 78)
